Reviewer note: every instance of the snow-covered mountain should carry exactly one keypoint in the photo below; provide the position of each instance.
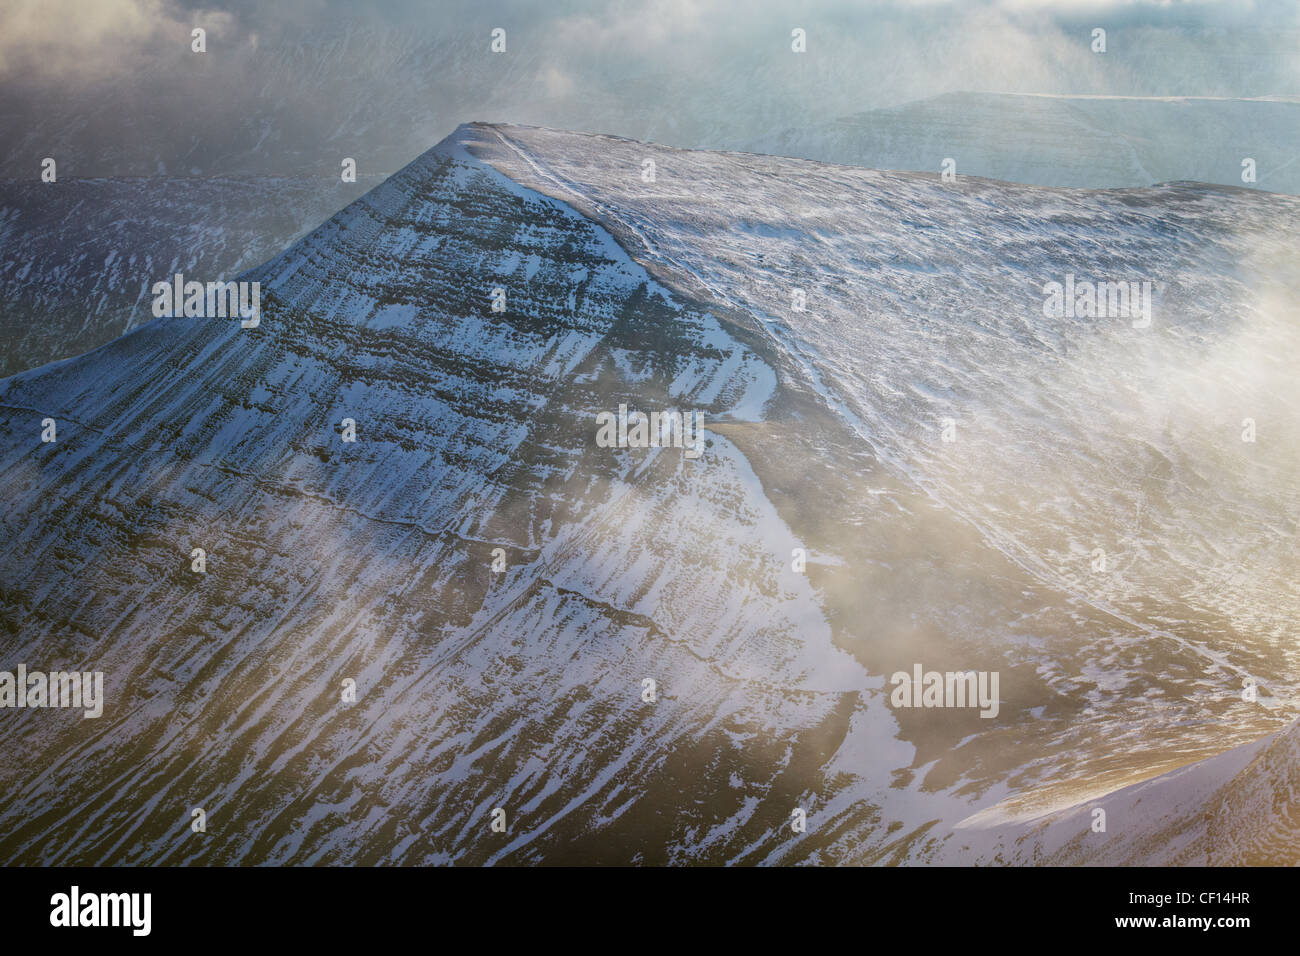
(835, 326)
(1093, 142)
(79, 256)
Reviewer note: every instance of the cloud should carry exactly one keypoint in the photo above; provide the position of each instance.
(74, 40)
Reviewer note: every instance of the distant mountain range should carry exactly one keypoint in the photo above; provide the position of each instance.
(1094, 142)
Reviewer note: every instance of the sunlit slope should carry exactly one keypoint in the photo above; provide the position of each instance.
(1241, 808)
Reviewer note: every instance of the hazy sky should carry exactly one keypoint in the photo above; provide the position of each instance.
(114, 83)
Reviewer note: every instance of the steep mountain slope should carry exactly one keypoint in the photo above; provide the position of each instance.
(78, 256)
(1090, 141)
(522, 688)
